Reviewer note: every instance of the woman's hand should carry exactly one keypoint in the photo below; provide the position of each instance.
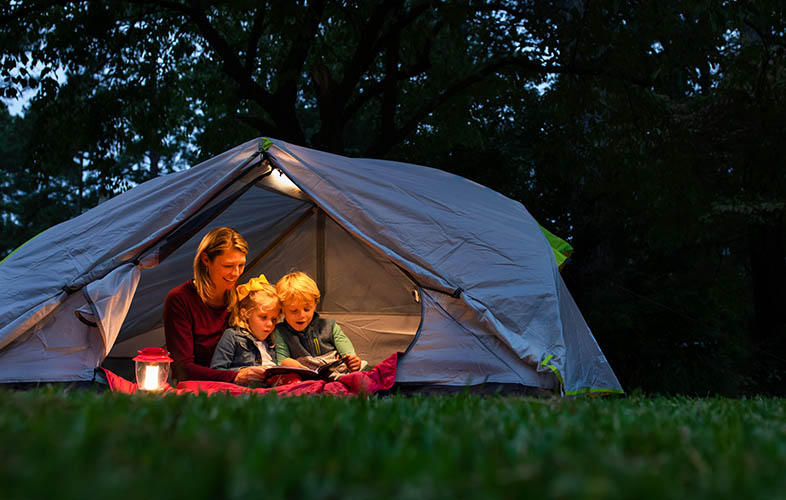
(353, 362)
(249, 374)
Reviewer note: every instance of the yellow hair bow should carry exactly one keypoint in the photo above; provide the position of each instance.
(253, 285)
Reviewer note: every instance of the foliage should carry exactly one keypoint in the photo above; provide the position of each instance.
(672, 192)
(72, 445)
(153, 85)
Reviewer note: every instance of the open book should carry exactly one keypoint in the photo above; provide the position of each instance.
(279, 375)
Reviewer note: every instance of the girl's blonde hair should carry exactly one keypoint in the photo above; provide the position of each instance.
(215, 243)
(257, 298)
(297, 287)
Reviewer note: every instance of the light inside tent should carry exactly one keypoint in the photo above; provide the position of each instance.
(279, 181)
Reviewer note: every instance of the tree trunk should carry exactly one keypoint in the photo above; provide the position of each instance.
(155, 160)
(768, 275)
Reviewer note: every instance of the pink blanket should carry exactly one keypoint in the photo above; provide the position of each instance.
(380, 378)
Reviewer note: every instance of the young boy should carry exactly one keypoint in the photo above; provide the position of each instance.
(303, 332)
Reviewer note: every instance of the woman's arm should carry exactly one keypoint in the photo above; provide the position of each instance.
(179, 334)
(250, 374)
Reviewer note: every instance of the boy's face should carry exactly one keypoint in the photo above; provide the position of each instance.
(299, 314)
(262, 319)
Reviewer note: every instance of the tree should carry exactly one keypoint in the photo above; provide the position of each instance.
(675, 190)
(156, 84)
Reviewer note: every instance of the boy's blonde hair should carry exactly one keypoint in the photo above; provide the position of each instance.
(213, 244)
(297, 287)
(262, 296)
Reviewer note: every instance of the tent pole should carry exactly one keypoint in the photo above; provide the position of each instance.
(320, 251)
(200, 219)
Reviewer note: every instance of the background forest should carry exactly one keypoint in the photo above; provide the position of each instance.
(650, 134)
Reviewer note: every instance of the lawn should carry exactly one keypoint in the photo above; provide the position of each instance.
(79, 444)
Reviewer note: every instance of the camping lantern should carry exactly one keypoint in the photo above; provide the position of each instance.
(152, 368)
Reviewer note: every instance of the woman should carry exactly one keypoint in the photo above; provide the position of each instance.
(196, 312)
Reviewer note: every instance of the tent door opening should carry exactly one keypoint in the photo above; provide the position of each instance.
(369, 296)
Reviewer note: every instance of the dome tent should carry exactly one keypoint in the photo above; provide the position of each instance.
(407, 258)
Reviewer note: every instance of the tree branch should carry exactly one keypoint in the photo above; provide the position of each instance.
(248, 87)
(253, 39)
(582, 25)
(292, 66)
(421, 65)
(366, 50)
(383, 144)
(256, 122)
(39, 6)
(389, 95)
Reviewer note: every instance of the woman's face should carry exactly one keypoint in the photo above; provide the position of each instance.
(225, 269)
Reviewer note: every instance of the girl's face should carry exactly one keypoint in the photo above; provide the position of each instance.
(262, 319)
(225, 269)
(299, 314)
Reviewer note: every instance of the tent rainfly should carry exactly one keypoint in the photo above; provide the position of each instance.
(411, 259)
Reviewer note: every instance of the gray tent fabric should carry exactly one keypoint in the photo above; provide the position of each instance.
(66, 257)
(408, 258)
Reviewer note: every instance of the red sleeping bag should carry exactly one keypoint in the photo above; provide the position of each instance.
(379, 378)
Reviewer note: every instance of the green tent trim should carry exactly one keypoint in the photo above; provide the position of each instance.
(23, 244)
(577, 392)
(554, 369)
(561, 248)
(597, 392)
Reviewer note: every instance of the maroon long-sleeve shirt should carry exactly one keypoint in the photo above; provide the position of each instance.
(192, 330)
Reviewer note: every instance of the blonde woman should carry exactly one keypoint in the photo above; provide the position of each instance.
(196, 312)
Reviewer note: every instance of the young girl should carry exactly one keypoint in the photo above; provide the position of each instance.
(247, 341)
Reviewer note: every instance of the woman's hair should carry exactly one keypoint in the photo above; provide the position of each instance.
(297, 287)
(215, 243)
(257, 298)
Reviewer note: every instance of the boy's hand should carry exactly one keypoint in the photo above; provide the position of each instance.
(353, 362)
(293, 363)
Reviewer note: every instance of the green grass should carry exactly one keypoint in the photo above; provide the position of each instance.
(55, 444)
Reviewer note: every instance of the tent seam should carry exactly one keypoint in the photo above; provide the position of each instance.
(340, 220)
